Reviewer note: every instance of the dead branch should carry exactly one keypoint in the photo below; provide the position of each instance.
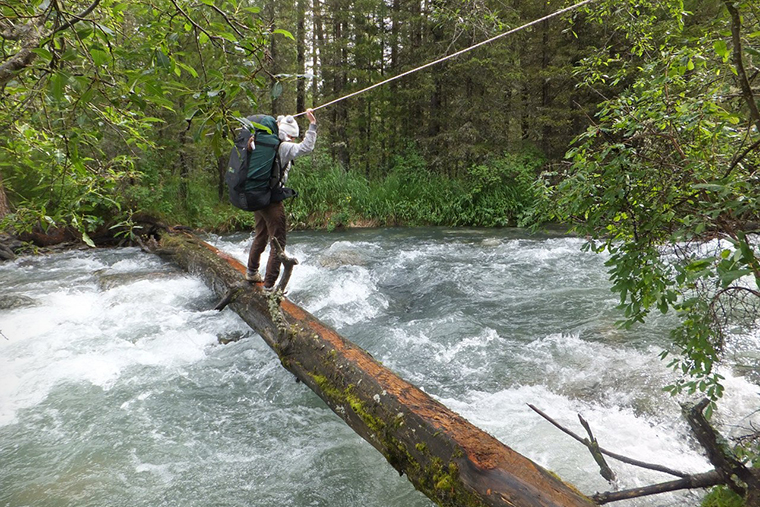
(287, 265)
(705, 480)
(228, 298)
(624, 459)
(728, 469)
(593, 447)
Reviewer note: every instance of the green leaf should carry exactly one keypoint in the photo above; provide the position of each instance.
(161, 101)
(43, 53)
(57, 85)
(85, 98)
(100, 57)
(284, 32)
(276, 90)
(187, 68)
(84, 31)
(162, 59)
(721, 49)
(752, 51)
(729, 276)
(86, 238)
(105, 29)
(70, 55)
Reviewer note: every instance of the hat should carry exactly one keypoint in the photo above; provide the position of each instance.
(287, 126)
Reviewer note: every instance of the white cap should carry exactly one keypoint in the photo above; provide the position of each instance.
(288, 127)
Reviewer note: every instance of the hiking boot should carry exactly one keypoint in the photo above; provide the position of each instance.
(253, 276)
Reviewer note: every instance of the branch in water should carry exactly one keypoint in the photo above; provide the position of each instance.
(705, 480)
(593, 447)
(624, 459)
(287, 263)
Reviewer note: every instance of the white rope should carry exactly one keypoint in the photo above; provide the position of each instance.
(430, 64)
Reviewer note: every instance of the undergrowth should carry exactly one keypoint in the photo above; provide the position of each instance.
(494, 193)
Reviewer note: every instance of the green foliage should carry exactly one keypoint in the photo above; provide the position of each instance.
(722, 496)
(102, 93)
(490, 195)
(60, 185)
(665, 183)
(498, 193)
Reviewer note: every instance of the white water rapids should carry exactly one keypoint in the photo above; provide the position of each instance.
(114, 389)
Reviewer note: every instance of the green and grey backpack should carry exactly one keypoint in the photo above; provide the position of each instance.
(252, 175)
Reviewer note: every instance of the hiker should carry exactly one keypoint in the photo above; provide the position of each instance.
(270, 220)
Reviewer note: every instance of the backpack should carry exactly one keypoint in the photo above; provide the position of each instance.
(254, 177)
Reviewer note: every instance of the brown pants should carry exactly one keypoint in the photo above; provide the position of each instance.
(270, 224)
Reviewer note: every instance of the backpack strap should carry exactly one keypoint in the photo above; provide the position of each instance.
(275, 179)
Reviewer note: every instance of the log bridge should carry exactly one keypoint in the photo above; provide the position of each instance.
(443, 455)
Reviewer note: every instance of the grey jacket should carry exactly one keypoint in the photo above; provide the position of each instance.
(290, 151)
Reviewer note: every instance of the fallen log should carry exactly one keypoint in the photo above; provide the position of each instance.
(443, 455)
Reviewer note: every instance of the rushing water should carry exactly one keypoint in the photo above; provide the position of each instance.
(114, 389)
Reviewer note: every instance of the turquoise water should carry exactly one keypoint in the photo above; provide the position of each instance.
(114, 389)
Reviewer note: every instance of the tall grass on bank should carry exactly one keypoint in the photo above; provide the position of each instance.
(492, 194)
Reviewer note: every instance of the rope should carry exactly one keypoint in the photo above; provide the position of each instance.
(448, 57)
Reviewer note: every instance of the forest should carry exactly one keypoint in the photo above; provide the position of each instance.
(634, 123)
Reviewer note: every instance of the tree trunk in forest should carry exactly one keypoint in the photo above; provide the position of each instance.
(301, 57)
(318, 58)
(5, 208)
(184, 167)
(444, 456)
(339, 82)
(275, 64)
(545, 91)
(221, 170)
(392, 127)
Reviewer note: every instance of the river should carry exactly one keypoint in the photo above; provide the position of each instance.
(115, 389)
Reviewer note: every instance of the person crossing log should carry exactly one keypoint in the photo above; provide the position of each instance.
(444, 456)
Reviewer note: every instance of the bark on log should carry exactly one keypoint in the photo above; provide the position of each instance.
(443, 455)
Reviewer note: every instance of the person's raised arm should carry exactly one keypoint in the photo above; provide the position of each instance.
(290, 151)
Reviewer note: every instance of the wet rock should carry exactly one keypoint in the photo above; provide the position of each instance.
(9, 247)
(53, 236)
(14, 301)
(231, 337)
(340, 258)
(108, 281)
(6, 254)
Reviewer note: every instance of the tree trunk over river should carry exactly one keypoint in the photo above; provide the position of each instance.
(443, 455)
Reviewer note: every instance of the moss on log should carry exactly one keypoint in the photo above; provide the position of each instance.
(444, 456)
